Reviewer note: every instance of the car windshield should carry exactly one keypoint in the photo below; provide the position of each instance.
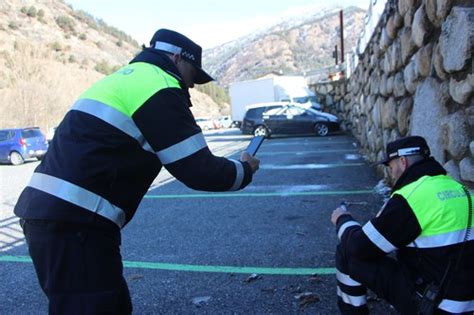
(305, 99)
(31, 133)
(302, 99)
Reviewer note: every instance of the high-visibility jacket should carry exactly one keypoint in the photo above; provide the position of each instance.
(425, 222)
(114, 141)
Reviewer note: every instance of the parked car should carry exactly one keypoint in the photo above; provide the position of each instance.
(205, 123)
(293, 119)
(287, 118)
(253, 116)
(225, 122)
(19, 144)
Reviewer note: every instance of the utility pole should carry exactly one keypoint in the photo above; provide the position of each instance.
(341, 20)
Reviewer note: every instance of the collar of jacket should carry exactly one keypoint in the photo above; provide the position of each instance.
(162, 61)
(419, 169)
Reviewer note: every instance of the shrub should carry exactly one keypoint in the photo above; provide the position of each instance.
(83, 36)
(65, 23)
(40, 13)
(72, 59)
(56, 46)
(119, 43)
(13, 25)
(32, 12)
(103, 67)
(24, 10)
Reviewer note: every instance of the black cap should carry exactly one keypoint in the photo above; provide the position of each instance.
(176, 43)
(406, 146)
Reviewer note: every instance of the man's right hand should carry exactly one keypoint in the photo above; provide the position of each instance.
(337, 213)
(253, 161)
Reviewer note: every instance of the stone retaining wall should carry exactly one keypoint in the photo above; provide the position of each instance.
(415, 78)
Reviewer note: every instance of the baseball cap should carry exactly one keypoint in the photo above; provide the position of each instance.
(176, 43)
(406, 146)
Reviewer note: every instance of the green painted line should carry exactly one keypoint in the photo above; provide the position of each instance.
(275, 194)
(203, 268)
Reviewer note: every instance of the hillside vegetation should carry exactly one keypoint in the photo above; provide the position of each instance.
(50, 53)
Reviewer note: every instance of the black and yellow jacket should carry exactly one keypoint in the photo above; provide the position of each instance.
(114, 141)
(425, 223)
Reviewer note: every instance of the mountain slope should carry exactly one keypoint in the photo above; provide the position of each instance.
(293, 46)
(50, 53)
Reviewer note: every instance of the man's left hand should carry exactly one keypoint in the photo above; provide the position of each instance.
(337, 213)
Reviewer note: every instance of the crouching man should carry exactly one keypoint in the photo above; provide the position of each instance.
(426, 223)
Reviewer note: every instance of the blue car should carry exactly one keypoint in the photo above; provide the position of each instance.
(19, 144)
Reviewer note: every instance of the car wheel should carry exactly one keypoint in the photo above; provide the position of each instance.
(261, 131)
(16, 158)
(321, 129)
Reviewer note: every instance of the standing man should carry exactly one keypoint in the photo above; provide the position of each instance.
(105, 154)
(427, 223)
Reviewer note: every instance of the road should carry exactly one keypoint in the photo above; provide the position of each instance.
(268, 249)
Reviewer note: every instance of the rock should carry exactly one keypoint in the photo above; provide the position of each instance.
(404, 5)
(457, 131)
(391, 28)
(386, 62)
(466, 168)
(390, 85)
(385, 40)
(455, 39)
(421, 27)
(410, 77)
(389, 114)
(374, 85)
(403, 115)
(408, 17)
(407, 45)
(423, 60)
(437, 10)
(438, 63)
(383, 85)
(453, 170)
(395, 56)
(329, 100)
(399, 85)
(460, 91)
(429, 108)
(376, 116)
(201, 300)
(397, 20)
(470, 115)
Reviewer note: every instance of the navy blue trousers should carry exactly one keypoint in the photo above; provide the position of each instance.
(79, 269)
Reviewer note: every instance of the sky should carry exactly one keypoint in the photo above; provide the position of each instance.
(207, 22)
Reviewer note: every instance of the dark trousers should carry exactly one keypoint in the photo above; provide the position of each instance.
(79, 269)
(385, 276)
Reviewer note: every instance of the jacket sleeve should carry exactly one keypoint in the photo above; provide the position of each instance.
(396, 226)
(169, 127)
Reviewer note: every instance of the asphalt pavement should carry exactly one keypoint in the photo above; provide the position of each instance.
(268, 249)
